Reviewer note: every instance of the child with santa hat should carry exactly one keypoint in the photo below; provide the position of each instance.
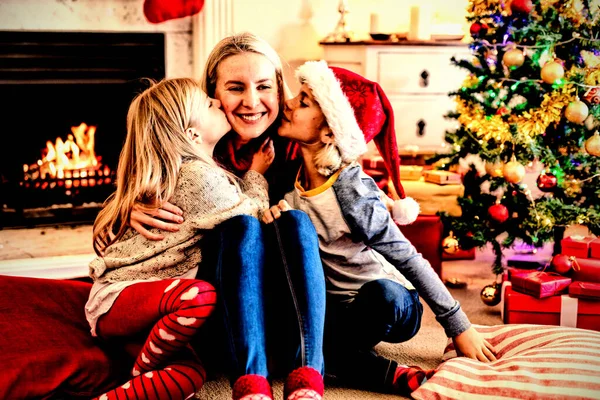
(374, 274)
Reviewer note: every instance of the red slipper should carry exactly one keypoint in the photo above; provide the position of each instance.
(303, 378)
(251, 384)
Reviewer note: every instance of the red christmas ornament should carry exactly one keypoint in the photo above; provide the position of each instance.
(502, 111)
(562, 263)
(498, 212)
(521, 6)
(478, 29)
(546, 182)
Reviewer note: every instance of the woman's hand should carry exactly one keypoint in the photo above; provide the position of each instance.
(471, 344)
(143, 217)
(271, 214)
(263, 158)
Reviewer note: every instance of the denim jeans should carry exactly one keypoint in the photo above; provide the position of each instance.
(269, 278)
(382, 311)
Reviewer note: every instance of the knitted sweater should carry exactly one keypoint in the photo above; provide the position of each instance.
(207, 197)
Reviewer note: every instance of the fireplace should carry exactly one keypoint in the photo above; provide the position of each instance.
(61, 92)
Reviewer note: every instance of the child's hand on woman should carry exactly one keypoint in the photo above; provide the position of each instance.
(271, 214)
(166, 218)
(263, 158)
(471, 344)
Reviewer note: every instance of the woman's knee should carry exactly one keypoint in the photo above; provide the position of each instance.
(200, 296)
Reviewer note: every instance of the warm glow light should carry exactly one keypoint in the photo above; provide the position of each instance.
(74, 157)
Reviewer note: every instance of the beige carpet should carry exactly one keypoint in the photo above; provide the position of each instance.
(426, 348)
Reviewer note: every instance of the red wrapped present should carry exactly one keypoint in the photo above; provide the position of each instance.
(595, 248)
(374, 162)
(586, 269)
(585, 290)
(578, 246)
(562, 310)
(540, 284)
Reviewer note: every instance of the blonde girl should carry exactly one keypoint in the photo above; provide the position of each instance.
(148, 289)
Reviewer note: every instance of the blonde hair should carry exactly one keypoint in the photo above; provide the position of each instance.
(328, 159)
(240, 43)
(154, 150)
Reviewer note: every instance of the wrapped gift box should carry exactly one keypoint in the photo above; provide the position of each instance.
(578, 246)
(410, 172)
(374, 162)
(442, 177)
(595, 248)
(585, 290)
(433, 198)
(562, 310)
(540, 284)
(586, 270)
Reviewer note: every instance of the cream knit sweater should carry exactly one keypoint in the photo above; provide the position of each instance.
(207, 197)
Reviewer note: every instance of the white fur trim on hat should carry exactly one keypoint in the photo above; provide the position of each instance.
(336, 107)
(405, 211)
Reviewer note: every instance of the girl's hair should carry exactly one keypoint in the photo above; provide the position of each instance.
(328, 160)
(154, 150)
(238, 44)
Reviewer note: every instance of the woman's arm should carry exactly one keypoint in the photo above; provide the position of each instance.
(166, 218)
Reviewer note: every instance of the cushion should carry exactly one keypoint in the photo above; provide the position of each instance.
(534, 362)
(47, 348)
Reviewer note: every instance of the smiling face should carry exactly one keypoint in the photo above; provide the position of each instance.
(303, 120)
(247, 88)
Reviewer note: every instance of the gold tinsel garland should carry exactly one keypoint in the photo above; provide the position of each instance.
(483, 7)
(529, 124)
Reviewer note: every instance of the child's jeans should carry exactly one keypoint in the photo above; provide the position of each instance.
(382, 311)
(269, 280)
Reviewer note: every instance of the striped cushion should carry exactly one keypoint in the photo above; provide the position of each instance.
(534, 362)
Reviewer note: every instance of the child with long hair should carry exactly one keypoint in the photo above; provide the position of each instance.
(146, 289)
(374, 275)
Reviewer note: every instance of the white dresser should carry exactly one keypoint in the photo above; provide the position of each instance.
(417, 77)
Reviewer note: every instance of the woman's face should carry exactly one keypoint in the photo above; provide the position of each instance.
(247, 88)
(302, 119)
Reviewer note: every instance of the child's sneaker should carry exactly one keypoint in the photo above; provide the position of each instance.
(252, 387)
(304, 383)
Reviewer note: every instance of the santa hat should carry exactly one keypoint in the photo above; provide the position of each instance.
(358, 111)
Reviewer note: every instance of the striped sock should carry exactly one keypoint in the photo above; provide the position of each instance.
(185, 305)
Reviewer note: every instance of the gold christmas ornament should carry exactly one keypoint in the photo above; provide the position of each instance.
(490, 294)
(592, 145)
(494, 169)
(513, 58)
(577, 111)
(552, 71)
(450, 245)
(513, 171)
(591, 123)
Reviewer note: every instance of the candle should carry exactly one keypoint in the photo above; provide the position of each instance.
(374, 27)
(420, 23)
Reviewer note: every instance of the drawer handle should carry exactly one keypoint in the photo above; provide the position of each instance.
(421, 128)
(424, 78)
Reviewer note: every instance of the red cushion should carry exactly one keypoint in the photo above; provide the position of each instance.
(47, 348)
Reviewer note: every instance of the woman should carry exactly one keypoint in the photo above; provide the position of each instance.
(245, 74)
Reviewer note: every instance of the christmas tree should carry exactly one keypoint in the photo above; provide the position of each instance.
(532, 97)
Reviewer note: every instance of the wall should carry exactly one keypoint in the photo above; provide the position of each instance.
(295, 27)
(101, 15)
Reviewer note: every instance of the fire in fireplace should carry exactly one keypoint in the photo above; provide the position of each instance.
(64, 100)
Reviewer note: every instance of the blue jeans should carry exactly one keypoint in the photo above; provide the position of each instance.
(382, 311)
(269, 278)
